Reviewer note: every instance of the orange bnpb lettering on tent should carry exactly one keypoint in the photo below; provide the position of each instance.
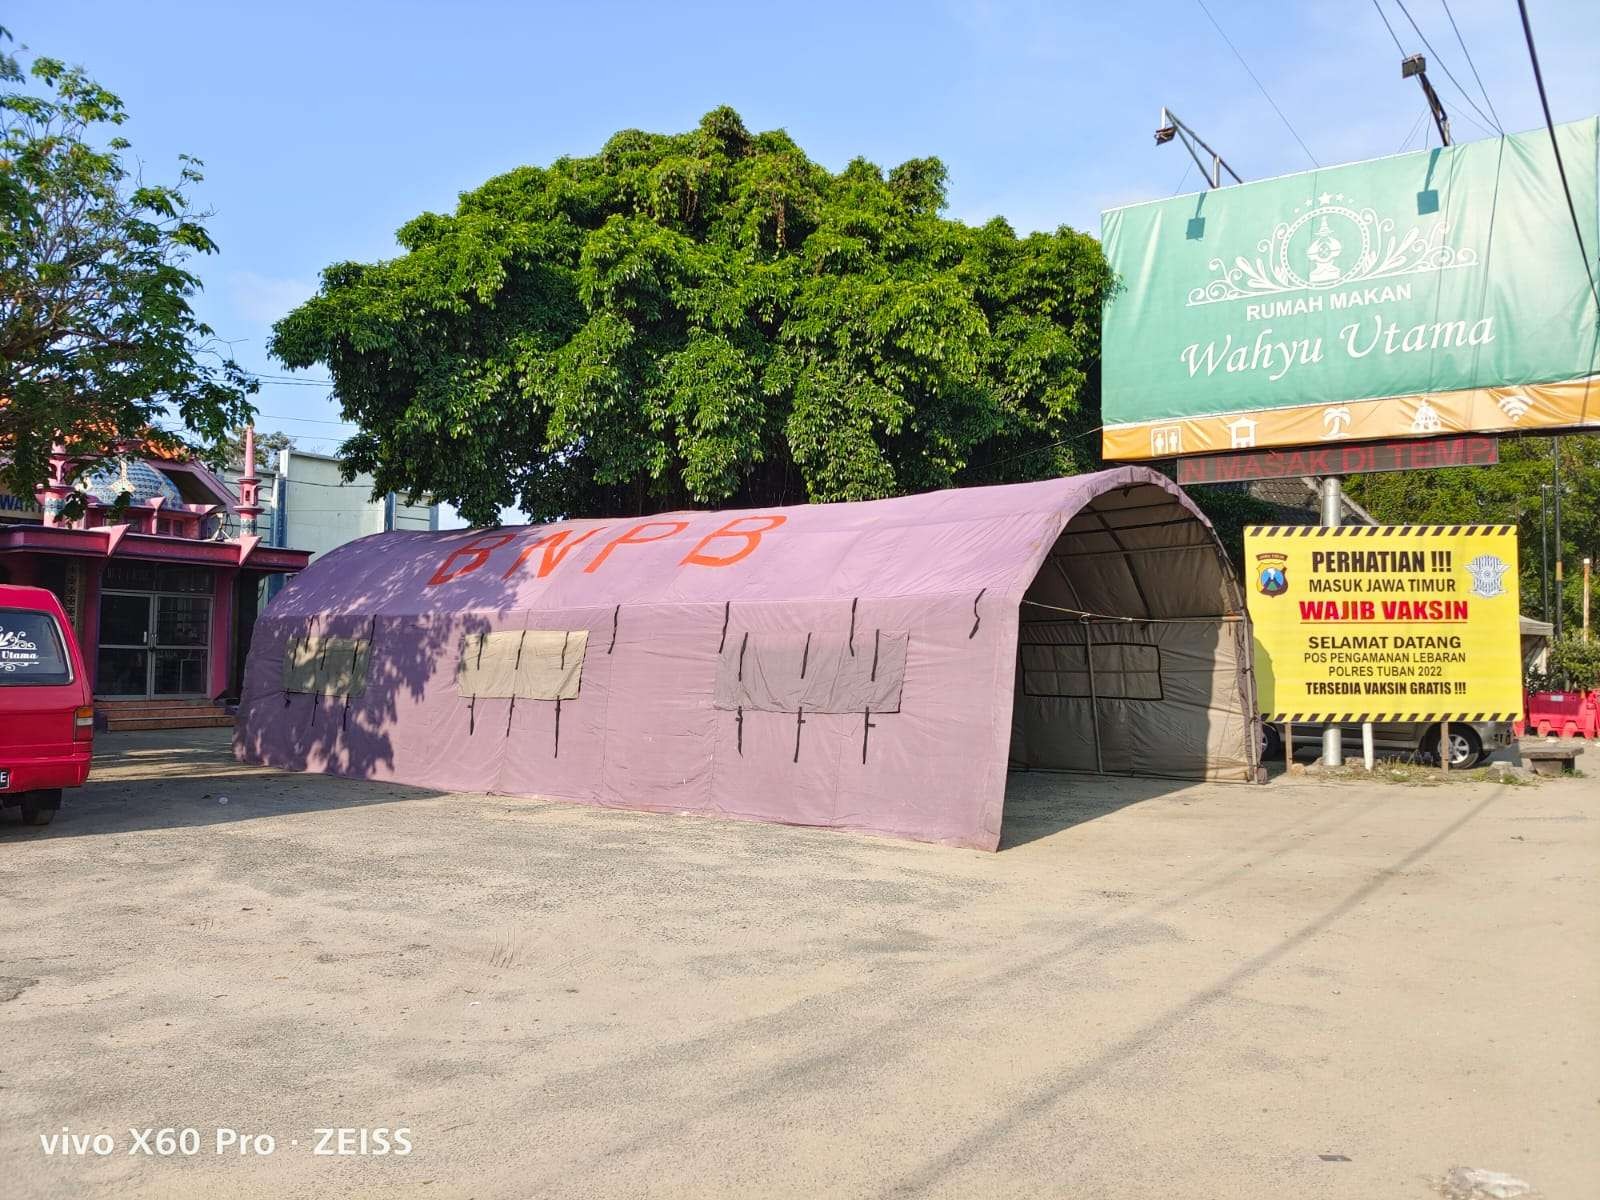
(477, 551)
(556, 547)
(752, 539)
(628, 539)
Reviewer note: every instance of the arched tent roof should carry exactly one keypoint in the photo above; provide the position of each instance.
(682, 619)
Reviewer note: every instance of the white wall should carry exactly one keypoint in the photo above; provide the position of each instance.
(321, 510)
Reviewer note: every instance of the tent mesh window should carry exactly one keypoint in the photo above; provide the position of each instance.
(1122, 670)
(528, 664)
(327, 666)
(816, 673)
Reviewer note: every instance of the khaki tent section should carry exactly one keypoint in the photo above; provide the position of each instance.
(327, 666)
(1133, 653)
(816, 674)
(529, 664)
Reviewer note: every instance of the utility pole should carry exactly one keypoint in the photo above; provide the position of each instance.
(1544, 550)
(1555, 488)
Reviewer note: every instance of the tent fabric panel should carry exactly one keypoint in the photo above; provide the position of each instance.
(1196, 728)
(934, 770)
(326, 666)
(1125, 547)
(960, 541)
(530, 664)
(814, 673)
(1122, 670)
(408, 689)
(559, 750)
(301, 666)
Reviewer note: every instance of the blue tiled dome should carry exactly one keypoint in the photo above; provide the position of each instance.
(133, 475)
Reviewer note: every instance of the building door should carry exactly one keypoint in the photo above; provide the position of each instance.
(153, 644)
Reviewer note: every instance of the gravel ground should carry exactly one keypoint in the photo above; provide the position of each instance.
(1321, 988)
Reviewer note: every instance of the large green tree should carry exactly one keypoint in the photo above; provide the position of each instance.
(707, 318)
(1507, 494)
(98, 340)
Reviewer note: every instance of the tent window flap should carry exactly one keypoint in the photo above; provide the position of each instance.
(815, 673)
(529, 664)
(330, 666)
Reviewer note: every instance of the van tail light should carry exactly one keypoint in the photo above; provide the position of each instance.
(83, 724)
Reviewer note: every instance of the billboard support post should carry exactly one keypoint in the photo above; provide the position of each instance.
(1332, 512)
(1555, 500)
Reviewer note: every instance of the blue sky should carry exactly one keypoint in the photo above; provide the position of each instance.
(326, 126)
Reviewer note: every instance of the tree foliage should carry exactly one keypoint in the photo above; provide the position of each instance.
(707, 318)
(97, 336)
(1507, 493)
(228, 452)
(1574, 665)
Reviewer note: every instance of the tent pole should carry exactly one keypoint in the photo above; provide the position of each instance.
(1094, 703)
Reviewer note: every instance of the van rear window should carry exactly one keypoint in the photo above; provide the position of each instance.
(31, 649)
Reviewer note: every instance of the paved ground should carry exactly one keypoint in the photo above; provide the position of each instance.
(1308, 990)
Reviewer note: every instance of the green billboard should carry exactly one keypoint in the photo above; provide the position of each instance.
(1429, 293)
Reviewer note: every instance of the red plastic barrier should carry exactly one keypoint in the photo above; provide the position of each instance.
(1564, 714)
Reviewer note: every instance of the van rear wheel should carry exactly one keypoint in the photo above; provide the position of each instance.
(39, 810)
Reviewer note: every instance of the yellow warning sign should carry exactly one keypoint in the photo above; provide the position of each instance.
(1385, 622)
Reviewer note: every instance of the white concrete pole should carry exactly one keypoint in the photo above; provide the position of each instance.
(1332, 515)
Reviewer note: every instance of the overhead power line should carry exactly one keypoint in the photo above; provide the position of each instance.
(1259, 85)
(1561, 167)
(1462, 42)
(308, 420)
(1184, 178)
(1415, 125)
(1389, 27)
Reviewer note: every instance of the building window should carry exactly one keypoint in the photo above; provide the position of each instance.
(155, 577)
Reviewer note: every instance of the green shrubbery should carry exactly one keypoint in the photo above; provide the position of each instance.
(1574, 666)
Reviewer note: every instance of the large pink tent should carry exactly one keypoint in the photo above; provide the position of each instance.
(876, 666)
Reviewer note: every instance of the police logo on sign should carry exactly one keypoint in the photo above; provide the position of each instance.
(1272, 577)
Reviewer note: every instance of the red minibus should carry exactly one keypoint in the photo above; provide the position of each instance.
(46, 720)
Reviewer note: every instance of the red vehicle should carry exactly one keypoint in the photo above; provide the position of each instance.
(46, 720)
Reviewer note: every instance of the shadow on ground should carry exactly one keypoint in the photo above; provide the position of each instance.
(1042, 803)
(200, 784)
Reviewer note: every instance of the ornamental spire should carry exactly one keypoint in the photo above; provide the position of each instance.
(249, 505)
